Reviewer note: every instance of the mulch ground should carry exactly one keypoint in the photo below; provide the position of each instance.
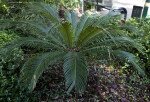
(104, 85)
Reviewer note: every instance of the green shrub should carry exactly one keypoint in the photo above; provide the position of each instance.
(9, 70)
(142, 35)
(9, 76)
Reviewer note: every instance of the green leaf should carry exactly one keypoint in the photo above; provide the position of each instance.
(39, 25)
(81, 24)
(30, 42)
(35, 66)
(120, 41)
(88, 34)
(72, 19)
(105, 19)
(76, 71)
(67, 32)
(132, 59)
(45, 10)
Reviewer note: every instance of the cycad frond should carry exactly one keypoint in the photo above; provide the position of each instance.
(92, 33)
(45, 10)
(88, 34)
(92, 19)
(102, 48)
(72, 19)
(6, 23)
(128, 56)
(40, 25)
(76, 71)
(67, 32)
(105, 19)
(31, 42)
(81, 24)
(102, 52)
(119, 42)
(34, 67)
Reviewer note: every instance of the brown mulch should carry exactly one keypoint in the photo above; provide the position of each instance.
(104, 85)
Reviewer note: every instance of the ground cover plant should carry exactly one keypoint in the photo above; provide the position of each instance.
(68, 46)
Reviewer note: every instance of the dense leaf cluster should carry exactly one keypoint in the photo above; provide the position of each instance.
(9, 70)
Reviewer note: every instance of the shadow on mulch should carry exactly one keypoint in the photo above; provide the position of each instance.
(102, 86)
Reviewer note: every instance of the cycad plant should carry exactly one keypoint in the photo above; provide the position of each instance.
(72, 41)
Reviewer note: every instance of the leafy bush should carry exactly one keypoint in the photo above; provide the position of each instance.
(9, 76)
(141, 34)
(9, 70)
(72, 41)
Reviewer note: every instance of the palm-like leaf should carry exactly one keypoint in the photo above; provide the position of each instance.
(104, 20)
(71, 40)
(67, 32)
(34, 67)
(45, 10)
(72, 19)
(132, 59)
(75, 70)
(81, 24)
(30, 42)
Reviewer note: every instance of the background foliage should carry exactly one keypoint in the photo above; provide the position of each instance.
(9, 69)
(142, 34)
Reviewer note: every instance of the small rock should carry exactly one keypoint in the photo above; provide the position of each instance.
(103, 93)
